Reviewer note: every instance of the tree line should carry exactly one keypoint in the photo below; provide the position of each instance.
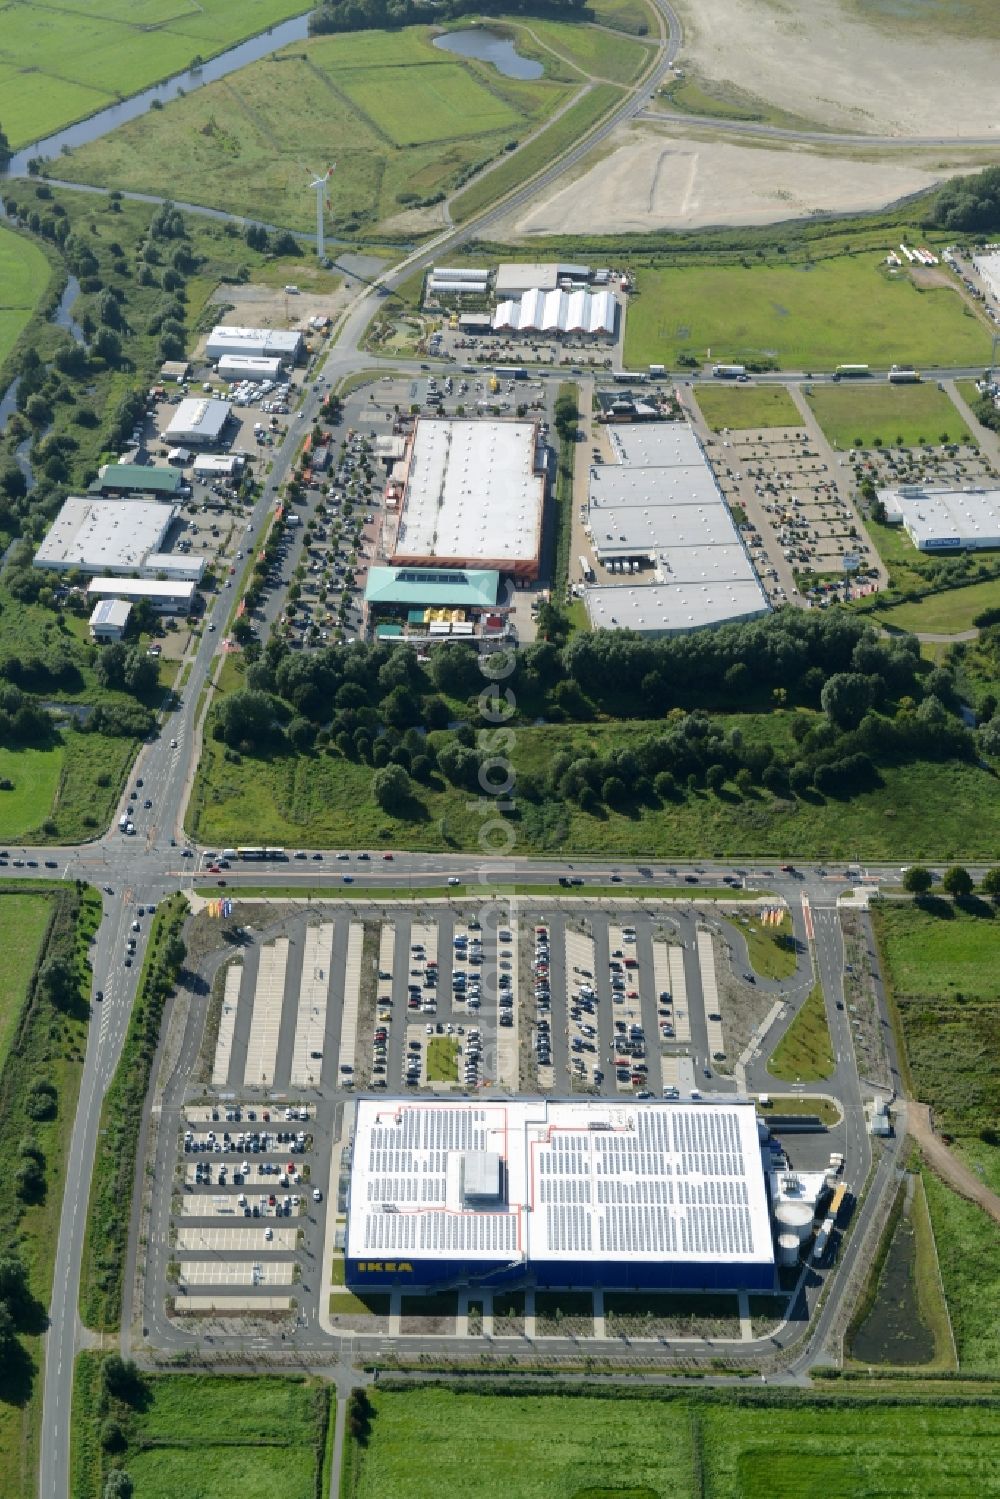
(365, 15)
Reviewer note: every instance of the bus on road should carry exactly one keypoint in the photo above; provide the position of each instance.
(852, 372)
(729, 371)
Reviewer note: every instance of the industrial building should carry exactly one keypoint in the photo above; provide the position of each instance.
(558, 1194)
(164, 597)
(174, 565)
(254, 343)
(198, 420)
(657, 517)
(938, 520)
(241, 367)
(583, 313)
(109, 619)
(104, 536)
(423, 604)
(516, 277)
(217, 465)
(473, 497)
(461, 281)
(988, 267)
(138, 479)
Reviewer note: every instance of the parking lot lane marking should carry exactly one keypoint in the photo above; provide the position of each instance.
(227, 1024)
(352, 995)
(265, 1021)
(314, 988)
(216, 1272)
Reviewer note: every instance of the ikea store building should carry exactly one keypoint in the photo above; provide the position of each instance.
(558, 1194)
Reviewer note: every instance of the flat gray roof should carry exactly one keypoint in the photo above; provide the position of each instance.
(198, 419)
(673, 608)
(944, 518)
(104, 535)
(472, 493)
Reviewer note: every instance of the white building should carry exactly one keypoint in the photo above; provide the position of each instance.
(199, 419)
(518, 276)
(593, 314)
(217, 465)
(109, 619)
(988, 267)
(104, 536)
(595, 1192)
(239, 367)
(174, 565)
(945, 519)
(474, 495)
(164, 597)
(658, 519)
(254, 343)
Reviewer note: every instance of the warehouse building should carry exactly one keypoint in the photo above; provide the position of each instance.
(198, 420)
(254, 343)
(461, 281)
(939, 520)
(240, 367)
(109, 619)
(174, 565)
(104, 536)
(516, 277)
(209, 466)
(658, 518)
(582, 313)
(427, 605)
(165, 597)
(558, 1194)
(988, 267)
(138, 478)
(473, 497)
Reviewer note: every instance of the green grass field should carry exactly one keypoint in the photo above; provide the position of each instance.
(921, 810)
(60, 63)
(24, 275)
(76, 784)
(876, 409)
(631, 16)
(771, 953)
(805, 1051)
(442, 1059)
(942, 613)
(425, 1443)
(968, 1248)
(615, 59)
(402, 120)
(941, 968)
(800, 316)
(743, 407)
(23, 919)
(569, 127)
(205, 1436)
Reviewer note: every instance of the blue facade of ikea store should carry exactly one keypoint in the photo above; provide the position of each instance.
(584, 1274)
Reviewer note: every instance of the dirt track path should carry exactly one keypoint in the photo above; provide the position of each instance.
(951, 1170)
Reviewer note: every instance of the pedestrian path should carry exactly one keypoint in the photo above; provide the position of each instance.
(265, 1022)
(227, 1025)
(352, 997)
(314, 987)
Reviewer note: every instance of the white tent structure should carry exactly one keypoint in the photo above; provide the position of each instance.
(593, 313)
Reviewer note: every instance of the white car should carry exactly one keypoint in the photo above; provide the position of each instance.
(317, 1195)
(453, 879)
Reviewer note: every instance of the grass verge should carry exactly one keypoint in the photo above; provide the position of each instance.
(968, 1248)
(442, 1060)
(771, 948)
(746, 406)
(889, 415)
(805, 1051)
(109, 1211)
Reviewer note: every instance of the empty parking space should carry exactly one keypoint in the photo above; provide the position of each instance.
(250, 1237)
(265, 1022)
(352, 994)
(236, 1272)
(310, 1028)
(710, 993)
(233, 1305)
(227, 1025)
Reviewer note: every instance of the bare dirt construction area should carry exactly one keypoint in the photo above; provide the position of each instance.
(657, 178)
(881, 67)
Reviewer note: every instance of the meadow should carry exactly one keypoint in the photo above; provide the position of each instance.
(59, 64)
(940, 963)
(202, 1437)
(427, 1442)
(614, 59)
(968, 1249)
(24, 276)
(945, 613)
(23, 919)
(742, 407)
(880, 413)
(403, 122)
(807, 316)
(922, 809)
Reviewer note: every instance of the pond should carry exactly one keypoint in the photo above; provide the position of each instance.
(894, 1332)
(490, 46)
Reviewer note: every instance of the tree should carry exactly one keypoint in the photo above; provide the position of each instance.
(14, 1289)
(990, 883)
(988, 738)
(57, 981)
(917, 880)
(715, 778)
(117, 1485)
(845, 698)
(391, 788)
(958, 882)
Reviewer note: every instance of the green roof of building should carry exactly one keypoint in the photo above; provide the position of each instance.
(433, 587)
(138, 478)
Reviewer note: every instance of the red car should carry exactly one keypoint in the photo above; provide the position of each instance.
(388, 856)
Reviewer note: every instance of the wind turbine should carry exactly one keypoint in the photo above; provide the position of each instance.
(319, 183)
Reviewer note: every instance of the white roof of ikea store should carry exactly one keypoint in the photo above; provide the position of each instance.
(946, 517)
(99, 535)
(588, 1179)
(472, 491)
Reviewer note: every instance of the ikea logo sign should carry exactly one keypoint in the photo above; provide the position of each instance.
(385, 1267)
